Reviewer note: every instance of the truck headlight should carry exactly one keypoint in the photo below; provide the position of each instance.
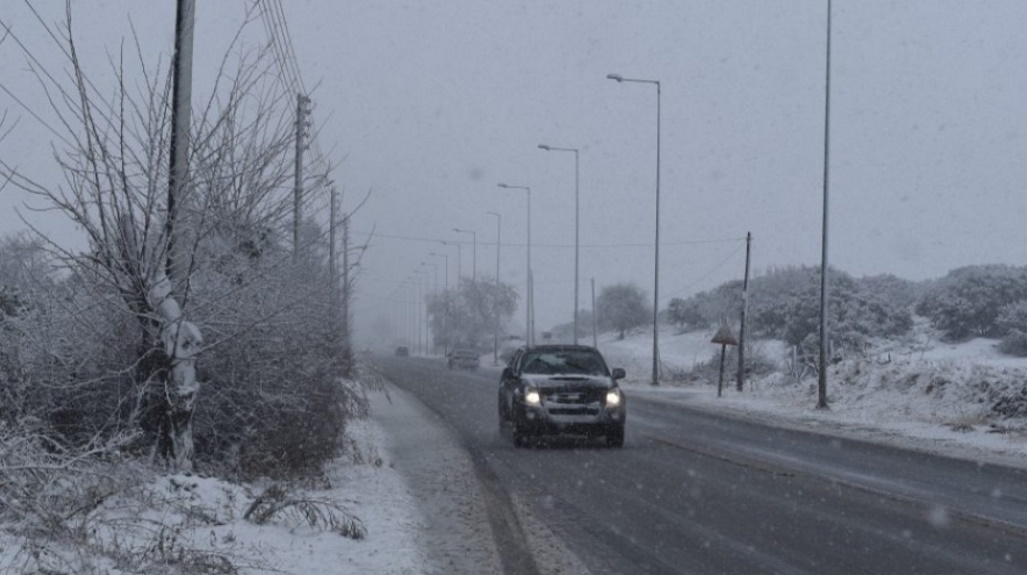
(613, 398)
(531, 397)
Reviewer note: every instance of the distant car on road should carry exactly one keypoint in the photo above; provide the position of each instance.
(402, 351)
(553, 389)
(463, 358)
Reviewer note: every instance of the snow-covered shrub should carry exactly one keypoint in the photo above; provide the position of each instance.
(969, 301)
(687, 314)
(1012, 319)
(785, 304)
(276, 404)
(857, 314)
(1014, 343)
(1012, 404)
(757, 364)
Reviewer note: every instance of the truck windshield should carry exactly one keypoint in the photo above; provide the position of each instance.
(564, 362)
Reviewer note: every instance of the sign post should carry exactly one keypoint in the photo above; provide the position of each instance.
(724, 338)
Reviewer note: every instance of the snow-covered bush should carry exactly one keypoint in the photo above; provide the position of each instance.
(857, 314)
(276, 404)
(1012, 319)
(969, 301)
(758, 364)
(785, 304)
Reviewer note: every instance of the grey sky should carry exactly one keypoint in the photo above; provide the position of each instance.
(433, 103)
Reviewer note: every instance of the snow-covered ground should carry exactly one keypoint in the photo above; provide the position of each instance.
(919, 393)
(202, 524)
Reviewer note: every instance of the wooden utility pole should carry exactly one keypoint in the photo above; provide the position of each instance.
(181, 113)
(347, 333)
(302, 111)
(745, 309)
(332, 271)
(175, 439)
(345, 278)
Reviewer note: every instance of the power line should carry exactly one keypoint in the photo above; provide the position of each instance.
(422, 239)
(276, 26)
(705, 276)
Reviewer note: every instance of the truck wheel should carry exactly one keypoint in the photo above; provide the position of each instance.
(615, 436)
(520, 439)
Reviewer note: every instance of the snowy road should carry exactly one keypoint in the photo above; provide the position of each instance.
(693, 492)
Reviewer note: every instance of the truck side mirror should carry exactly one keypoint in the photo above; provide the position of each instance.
(618, 373)
(507, 373)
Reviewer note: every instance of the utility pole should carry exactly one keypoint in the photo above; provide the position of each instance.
(745, 309)
(179, 389)
(181, 112)
(595, 338)
(347, 333)
(302, 111)
(333, 273)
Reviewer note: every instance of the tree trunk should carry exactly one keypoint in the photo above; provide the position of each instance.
(181, 341)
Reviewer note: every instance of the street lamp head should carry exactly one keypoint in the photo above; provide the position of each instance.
(457, 230)
(544, 147)
(616, 77)
(508, 186)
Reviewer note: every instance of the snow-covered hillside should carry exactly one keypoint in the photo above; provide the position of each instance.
(966, 399)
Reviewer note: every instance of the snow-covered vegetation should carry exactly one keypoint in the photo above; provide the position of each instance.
(926, 358)
(116, 517)
(203, 335)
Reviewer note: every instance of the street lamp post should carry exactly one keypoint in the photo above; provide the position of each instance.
(656, 266)
(422, 335)
(459, 261)
(495, 307)
(577, 227)
(435, 291)
(445, 319)
(529, 303)
(822, 375)
(415, 314)
(474, 254)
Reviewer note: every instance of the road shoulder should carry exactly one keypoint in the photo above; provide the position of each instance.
(927, 438)
(440, 474)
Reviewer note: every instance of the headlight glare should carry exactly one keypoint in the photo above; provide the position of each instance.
(531, 397)
(613, 398)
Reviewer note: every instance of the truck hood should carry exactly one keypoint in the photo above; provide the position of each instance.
(568, 381)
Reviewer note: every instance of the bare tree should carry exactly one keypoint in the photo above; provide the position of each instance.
(114, 166)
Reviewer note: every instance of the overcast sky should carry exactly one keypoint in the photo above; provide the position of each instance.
(433, 103)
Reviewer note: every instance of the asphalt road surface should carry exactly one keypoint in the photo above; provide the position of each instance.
(692, 492)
